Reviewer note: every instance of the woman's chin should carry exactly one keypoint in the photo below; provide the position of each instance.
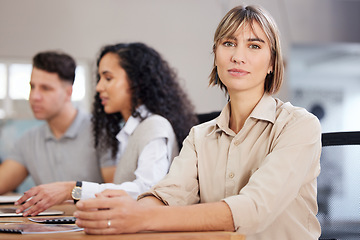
(109, 110)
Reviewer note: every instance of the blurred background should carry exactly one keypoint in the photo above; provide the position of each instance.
(320, 40)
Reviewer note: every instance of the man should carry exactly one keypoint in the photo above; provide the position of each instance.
(61, 149)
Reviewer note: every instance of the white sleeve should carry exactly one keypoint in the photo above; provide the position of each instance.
(153, 165)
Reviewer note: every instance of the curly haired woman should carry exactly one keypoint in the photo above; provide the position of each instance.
(139, 104)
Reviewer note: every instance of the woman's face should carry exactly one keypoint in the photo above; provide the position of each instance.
(244, 60)
(113, 86)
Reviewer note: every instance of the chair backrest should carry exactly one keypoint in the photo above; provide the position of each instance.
(338, 191)
(340, 138)
(204, 117)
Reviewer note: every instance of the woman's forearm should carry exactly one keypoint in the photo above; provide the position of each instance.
(119, 213)
(199, 217)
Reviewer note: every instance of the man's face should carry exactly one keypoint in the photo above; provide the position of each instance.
(48, 94)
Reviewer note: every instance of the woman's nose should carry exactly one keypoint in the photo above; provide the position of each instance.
(99, 86)
(238, 56)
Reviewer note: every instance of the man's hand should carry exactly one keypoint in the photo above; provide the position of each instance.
(40, 198)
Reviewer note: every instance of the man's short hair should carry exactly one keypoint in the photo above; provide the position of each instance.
(56, 62)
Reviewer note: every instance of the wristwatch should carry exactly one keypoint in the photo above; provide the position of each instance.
(76, 192)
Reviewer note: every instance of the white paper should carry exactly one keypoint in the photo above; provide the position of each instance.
(9, 199)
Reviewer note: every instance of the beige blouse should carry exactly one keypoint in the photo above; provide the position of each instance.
(266, 173)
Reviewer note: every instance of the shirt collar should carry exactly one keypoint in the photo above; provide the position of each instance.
(132, 123)
(222, 122)
(265, 110)
(72, 131)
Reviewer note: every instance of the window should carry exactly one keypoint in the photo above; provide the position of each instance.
(3, 84)
(325, 79)
(19, 78)
(79, 84)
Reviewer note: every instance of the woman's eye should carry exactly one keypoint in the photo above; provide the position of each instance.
(107, 78)
(254, 46)
(229, 44)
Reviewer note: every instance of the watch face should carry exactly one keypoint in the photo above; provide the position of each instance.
(76, 193)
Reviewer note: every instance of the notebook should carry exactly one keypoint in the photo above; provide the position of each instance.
(9, 199)
(54, 220)
(37, 228)
(11, 212)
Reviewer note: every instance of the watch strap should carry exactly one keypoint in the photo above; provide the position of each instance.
(78, 184)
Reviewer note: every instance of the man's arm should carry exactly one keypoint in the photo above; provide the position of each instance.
(12, 174)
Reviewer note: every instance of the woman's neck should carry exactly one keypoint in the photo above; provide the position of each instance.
(241, 106)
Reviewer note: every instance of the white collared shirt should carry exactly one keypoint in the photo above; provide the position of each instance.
(153, 163)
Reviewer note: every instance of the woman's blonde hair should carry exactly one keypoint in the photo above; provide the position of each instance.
(235, 19)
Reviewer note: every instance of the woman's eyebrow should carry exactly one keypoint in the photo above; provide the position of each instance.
(230, 38)
(256, 40)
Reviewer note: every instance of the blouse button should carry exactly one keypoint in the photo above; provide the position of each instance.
(237, 142)
(231, 175)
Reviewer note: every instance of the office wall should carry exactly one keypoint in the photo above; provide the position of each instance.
(181, 30)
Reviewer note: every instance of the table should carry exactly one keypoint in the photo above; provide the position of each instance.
(69, 208)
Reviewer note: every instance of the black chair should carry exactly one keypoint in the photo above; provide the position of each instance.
(205, 117)
(340, 138)
(339, 143)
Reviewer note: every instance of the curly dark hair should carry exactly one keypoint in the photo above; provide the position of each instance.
(154, 84)
(56, 62)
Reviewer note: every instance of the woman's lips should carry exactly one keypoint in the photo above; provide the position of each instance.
(237, 72)
(104, 100)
